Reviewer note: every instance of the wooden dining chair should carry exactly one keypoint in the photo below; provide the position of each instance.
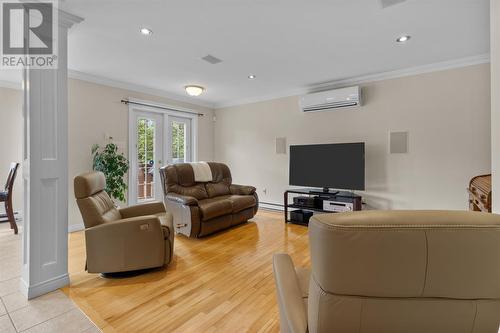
(6, 195)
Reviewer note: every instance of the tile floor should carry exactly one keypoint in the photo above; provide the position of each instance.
(53, 312)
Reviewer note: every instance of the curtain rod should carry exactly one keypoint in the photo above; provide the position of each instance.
(126, 101)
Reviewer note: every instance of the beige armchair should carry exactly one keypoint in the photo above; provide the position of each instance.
(119, 240)
(395, 271)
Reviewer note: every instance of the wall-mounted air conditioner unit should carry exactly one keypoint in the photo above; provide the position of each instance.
(332, 99)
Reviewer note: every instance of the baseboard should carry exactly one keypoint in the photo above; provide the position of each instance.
(271, 206)
(76, 227)
(44, 287)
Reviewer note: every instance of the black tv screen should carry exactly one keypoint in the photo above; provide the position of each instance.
(338, 166)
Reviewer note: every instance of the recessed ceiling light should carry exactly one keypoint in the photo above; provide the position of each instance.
(251, 76)
(193, 90)
(146, 31)
(403, 38)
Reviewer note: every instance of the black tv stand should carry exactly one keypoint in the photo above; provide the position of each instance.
(326, 190)
(338, 196)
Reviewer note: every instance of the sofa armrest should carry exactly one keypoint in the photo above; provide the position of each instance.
(181, 199)
(293, 314)
(126, 244)
(242, 189)
(143, 209)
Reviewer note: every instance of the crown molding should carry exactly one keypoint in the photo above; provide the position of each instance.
(435, 67)
(67, 20)
(117, 84)
(136, 88)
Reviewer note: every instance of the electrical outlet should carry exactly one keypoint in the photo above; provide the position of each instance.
(264, 190)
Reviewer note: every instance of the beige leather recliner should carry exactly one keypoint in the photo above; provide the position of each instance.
(395, 271)
(126, 239)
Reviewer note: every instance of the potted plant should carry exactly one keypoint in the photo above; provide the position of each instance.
(114, 166)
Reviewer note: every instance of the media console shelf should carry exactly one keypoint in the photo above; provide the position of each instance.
(337, 197)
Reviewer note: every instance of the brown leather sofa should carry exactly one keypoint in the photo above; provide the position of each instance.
(126, 239)
(395, 271)
(202, 208)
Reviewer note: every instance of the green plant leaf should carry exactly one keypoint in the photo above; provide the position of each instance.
(114, 165)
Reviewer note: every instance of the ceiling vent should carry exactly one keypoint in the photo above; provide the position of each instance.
(388, 3)
(211, 59)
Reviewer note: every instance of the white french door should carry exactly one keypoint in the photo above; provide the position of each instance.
(155, 140)
(179, 133)
(146, 156)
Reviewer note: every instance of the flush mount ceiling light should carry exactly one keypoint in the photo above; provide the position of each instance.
(146, 31)
(403, 38)
(251, 76)
(193, 90)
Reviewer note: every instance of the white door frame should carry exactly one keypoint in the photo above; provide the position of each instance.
(165, 111)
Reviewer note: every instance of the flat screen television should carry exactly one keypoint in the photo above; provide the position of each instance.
(337, 166)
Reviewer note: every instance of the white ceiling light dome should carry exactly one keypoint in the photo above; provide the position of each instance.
(146, 31)
(403, 39)
(194, 90)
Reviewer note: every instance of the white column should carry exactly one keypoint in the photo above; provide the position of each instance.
(495, 102)
(45, 172)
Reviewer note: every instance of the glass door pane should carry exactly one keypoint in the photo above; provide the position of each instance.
(180, 143)
(146, 135)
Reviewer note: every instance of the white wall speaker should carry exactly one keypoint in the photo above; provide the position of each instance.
(280, 145)
(398, 142)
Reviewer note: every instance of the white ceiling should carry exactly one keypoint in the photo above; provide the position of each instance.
(287, 44)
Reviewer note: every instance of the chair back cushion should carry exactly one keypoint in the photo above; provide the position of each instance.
(221, 180)
(9, 184)
(179, 178)
(95, 204)
(389, 270)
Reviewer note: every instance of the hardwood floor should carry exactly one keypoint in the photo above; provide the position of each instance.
(221, 283)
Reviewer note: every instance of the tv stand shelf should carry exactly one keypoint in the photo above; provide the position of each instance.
(340, 196)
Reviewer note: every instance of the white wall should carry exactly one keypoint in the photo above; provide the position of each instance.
(11, 139)
(447, 114)
(95, 111)
(495, 102)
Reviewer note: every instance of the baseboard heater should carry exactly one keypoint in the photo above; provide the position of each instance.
(271, 206)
